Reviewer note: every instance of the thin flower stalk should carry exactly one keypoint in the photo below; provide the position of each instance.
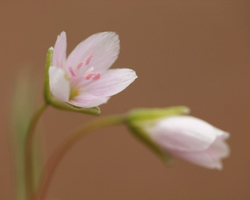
(28, 152)
(66, 145)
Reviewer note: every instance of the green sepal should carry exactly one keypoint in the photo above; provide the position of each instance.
(139, 133)
(50, 99)
(66, 106)
(138, 119)
(144, 114)
(47, 93)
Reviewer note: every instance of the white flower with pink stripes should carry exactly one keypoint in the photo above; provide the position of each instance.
(84, 78)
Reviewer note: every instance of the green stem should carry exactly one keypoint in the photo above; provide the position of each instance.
(28, 152)
(66, 145)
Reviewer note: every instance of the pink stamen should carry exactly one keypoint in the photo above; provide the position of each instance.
(80, 64)
(73, 74)
(96, 76)
(93, 76)
(89, 76)
(87, 60)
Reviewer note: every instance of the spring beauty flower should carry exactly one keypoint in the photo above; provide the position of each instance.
(168, 131)
(191, 139)
(84, 78)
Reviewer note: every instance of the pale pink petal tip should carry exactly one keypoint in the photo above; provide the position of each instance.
(59, 54)
(100, 49)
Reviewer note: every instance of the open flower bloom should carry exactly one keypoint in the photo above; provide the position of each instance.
(84, 78)
(191, 139)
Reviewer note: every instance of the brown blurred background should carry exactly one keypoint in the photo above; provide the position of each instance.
(194, 53)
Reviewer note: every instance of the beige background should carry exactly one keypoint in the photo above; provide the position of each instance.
(194, 53)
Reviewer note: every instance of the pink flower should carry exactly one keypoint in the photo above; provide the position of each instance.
(191, 139)
(84, 78)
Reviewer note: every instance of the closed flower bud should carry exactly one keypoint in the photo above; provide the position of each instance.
(187, 137)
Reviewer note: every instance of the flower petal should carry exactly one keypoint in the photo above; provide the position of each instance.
(59, 55)
(219, 149)
(59, 85)
(201, 158)
(210, 158)
(110, 83)
(184, 133)
(104, 46)
(88, 101)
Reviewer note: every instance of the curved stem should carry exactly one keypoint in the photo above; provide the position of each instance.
(28, 151)
(66, 145)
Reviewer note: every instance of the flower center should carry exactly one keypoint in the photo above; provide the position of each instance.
(88, 74)
(73, 93)
(80, 73)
